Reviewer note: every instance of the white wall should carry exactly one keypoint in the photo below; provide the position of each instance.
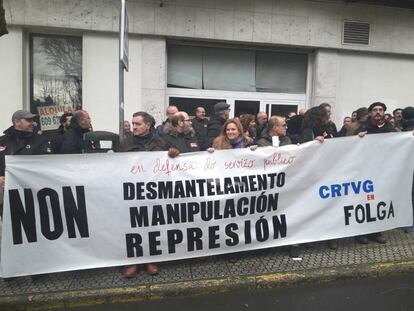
(365, 78)
(284, 22)
(100, 80)
(350, 80)
(11, 75)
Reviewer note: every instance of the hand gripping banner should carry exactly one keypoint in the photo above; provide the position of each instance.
(70, 212)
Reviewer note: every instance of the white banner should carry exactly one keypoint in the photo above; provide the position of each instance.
(69, 212)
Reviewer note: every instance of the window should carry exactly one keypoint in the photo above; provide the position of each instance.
(241, 70)
(56, 77)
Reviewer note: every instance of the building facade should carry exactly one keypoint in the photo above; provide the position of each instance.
(273, 55)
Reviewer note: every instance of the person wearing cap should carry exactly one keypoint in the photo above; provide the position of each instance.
(361, 119)
(73, 141)
(376, 125)
(221, 115)
(21, 139)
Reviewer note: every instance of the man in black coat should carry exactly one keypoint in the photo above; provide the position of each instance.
(376, 125)
(57, 138)
(171, 111)
(221, 115)
(143, 138)
(21, 139)
(408, 125)
(199, 124)
(73, 139)
(180, 136)
(261, 123)
(276, 127)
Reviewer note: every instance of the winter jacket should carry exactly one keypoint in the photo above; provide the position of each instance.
(374, 129)
(213, 129)
(266, 140)
(73, 140)
(149, 142)
(200, 128)
(184, 142)
(15, 142)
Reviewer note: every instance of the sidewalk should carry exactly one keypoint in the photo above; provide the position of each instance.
(253, 271)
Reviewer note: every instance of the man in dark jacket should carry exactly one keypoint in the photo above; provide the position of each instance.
(261, 123)
(408, 119)
(199, 124)
(143, 136)
(408, 125)
(276, 127)
(180, 136)
(295, 126)
(20, 139)
(330, 125)
(57, 138)
(221, 115)
(347, 122)
(171, 111)
(376, 125)
(73, 139)
(143, 139)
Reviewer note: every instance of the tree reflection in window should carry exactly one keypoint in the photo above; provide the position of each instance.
(56, 72)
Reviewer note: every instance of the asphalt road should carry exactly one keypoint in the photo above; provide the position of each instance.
(391, 294)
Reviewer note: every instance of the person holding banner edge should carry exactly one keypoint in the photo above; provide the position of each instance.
(231, 136)
(180, 136)
(275, 135)
(20, 139)
(317, 126)
(375, 125)
(143, 139)
(408, 125)
(73, 139)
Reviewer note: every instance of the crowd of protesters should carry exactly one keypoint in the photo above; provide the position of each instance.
(180, 134)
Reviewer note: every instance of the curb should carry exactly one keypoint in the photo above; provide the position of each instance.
(136, 294)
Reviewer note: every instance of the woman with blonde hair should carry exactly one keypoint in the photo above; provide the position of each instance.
(232, 136)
